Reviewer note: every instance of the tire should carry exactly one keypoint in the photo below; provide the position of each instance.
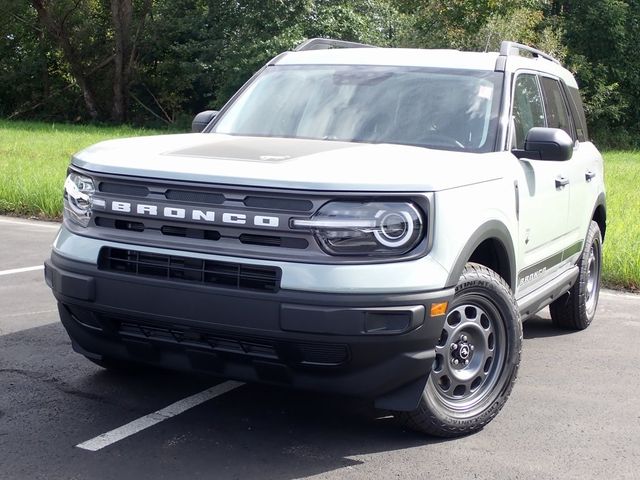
(484, 324)
(576, 308)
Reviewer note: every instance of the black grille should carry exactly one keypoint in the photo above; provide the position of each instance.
(203, 234)
(186, 269)
(191, 338)
(271, 241)
(190, 217)
(205, 197)
(292, 353)
(119, 224)
(279, 203)
(195, 197)
(122, 189)
(190, 233)
(322, 354)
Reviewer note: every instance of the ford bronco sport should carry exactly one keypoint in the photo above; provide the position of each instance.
(366, 221)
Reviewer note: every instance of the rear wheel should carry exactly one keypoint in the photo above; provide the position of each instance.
(576, 308)
(477, 358)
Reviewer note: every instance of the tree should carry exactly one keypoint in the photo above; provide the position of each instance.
(55, 22)
(92, 36)
(150, 61)
(449, 24)
(601, 42)
(126, 35)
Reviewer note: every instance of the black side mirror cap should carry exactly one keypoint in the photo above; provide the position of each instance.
(544, 143)
(203, 119)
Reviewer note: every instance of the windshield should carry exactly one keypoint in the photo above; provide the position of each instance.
(437, 108)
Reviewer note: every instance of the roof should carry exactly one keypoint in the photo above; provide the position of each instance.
(412, 57)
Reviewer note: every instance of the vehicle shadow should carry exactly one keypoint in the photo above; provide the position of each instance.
(256, 431)
(262, 432)
(58, 399)
(539, 327)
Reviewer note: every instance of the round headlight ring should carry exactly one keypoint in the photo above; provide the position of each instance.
(383, 231)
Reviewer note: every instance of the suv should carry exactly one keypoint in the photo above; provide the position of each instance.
(366, 221)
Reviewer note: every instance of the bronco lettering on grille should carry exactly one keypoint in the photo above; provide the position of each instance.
(214, 216)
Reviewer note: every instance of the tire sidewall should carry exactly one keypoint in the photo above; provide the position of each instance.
(495, 291)
(594, 238)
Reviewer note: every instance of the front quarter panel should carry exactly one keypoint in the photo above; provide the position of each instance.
(467, 216)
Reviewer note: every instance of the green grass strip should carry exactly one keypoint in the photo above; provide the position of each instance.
(34, 157)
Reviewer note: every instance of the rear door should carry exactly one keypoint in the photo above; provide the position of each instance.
(583, 166)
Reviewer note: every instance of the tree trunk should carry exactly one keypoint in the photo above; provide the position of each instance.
(61, 37)
(124, 52)
(121, 16)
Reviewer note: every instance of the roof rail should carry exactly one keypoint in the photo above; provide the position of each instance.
(326, 43)
(512, 48)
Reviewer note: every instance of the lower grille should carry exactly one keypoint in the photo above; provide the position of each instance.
(322, 354)
(190, 338)
(289, 353)
(186, 269)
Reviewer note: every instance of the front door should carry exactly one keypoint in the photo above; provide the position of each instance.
(543, 190)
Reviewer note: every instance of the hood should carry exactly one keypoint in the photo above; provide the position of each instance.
(290, 163)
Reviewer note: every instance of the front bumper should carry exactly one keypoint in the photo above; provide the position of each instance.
(367, 345)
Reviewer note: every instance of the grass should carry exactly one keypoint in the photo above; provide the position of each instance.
(34, 159)
(622, 243)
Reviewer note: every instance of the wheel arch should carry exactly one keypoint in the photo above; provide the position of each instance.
(599, 214)
(490, 245)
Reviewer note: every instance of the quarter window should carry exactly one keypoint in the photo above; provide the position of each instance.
(528, 111)
(577, 112)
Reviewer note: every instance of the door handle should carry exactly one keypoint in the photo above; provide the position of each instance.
(589, 175)
(562, 182)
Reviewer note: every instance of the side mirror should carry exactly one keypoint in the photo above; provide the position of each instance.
(202, 119)
(546, 144)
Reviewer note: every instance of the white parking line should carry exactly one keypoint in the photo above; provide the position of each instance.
(27, 223)
(152, 419)
(24, 314)
(21, 270)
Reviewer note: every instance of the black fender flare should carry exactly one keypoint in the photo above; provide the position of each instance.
(493, 229)
(601, 201)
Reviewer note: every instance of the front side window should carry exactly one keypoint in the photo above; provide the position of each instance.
(556, 107)
(436, 108)
(528, 111)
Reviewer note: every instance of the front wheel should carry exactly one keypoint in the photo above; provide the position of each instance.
(477, 358)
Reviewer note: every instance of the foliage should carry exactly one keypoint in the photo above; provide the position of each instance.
(450, 24)
(34, 157)
(622, 243)
(156, 62)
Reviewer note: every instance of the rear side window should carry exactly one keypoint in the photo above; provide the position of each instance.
(528, 111)
(577, 110)
(556, 107)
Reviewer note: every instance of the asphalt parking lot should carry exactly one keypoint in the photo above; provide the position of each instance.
(574, 412)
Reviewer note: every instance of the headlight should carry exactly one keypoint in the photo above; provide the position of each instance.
(372, 228)
(78, 198)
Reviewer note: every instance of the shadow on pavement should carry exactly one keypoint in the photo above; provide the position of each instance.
(538, 327)
(56, 399)
(262, 432)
